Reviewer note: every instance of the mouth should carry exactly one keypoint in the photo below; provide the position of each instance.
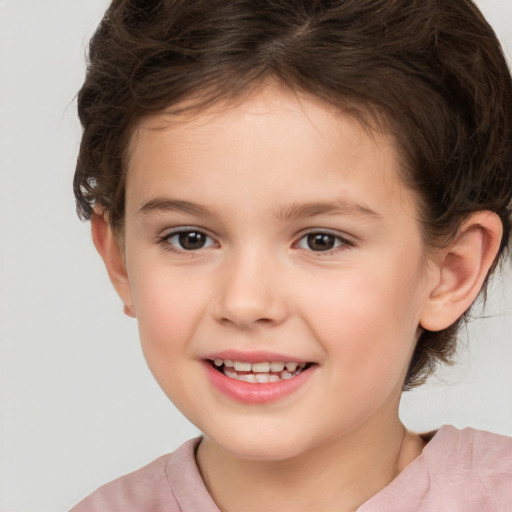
(262, 372)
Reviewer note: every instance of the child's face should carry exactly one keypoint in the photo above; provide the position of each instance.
(275, 231)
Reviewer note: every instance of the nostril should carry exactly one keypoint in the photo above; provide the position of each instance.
(264, 321)
(246, 323)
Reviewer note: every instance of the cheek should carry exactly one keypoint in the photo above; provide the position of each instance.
(168, 312)
(168, 308)
(367, 323)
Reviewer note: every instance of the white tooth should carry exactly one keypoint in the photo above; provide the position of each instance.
(291, 366)
(277, 366)
(273, 378)
(228, 363)
(260, 367)
(218, 362)
(286, 375)
(230, 373)
(262, 378)
(302, 366)
(248, 377)
(241, 366)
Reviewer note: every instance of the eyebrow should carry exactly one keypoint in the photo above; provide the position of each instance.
(341, 207)
(287, 212)
(164, 204)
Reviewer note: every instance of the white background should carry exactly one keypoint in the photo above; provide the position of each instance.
(77, 405)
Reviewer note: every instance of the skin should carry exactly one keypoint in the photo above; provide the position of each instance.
(252, 172)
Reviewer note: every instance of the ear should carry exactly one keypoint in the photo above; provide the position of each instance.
(112, 254)
(461, 269)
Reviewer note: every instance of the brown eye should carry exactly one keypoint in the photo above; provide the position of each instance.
(192, 240)
(321, 242)
(189, 240)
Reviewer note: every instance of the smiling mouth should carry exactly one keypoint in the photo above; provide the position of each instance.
(261, 372)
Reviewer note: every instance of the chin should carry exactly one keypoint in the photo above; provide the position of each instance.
(258, 445)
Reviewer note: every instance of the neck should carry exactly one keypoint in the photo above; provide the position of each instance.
(339, 475)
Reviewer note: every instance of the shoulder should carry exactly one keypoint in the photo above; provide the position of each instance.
(141, 490)
(170, 483)
(459, 471)
(473, 464)
(472, 449)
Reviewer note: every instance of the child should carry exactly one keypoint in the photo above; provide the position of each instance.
(299, 201)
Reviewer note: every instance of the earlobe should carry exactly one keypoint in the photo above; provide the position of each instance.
(461, 270)
(108, 247)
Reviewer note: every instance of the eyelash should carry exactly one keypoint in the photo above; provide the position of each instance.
(339, 241)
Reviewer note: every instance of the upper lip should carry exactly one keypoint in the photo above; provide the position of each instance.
(254, 357)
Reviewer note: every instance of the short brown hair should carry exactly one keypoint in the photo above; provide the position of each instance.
(432, 69)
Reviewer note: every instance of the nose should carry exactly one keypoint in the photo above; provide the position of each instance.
(251, 292)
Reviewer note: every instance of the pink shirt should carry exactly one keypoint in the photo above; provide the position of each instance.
(459, 471)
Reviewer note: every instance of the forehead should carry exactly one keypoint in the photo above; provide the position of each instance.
(274, 137)
(264, 102)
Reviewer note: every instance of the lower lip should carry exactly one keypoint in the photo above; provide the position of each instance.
(250, 393)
